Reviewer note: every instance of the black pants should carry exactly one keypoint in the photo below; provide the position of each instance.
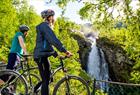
(44, 69)
(11, 60)
(11, 63)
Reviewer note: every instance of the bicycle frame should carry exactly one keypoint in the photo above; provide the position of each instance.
(61, 67)
(64, 71)
(66, 78)
(56, 70)
(21, 67)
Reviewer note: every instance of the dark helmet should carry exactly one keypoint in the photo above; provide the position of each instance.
(47, 13)
(23, 28)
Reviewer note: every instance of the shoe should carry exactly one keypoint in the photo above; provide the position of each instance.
(5, 91)
(51, 80)
(37, 88)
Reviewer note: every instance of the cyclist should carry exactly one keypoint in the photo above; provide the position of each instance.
(43, 49)
(18, 46)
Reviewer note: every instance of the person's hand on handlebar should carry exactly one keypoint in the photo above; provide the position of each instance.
(26, 53)
(68, 54)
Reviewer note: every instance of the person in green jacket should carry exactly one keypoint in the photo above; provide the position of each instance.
(18, 46)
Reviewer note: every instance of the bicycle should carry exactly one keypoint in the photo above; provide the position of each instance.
(25, 71)
(67, 84)
(12, 83)
(30, 73)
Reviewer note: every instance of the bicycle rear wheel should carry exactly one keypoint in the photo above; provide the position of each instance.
(13, 83)
(71, 85)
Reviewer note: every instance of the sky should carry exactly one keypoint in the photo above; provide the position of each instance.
(71, 9)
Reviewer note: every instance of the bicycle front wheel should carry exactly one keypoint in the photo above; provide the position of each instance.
(71, 85)
(13, 83)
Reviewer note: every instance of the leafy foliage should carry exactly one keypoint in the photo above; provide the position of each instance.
(8, 23)
(123, 28)
(100, 13)
(16, 12)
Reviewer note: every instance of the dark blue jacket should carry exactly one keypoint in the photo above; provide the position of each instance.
(45, 40)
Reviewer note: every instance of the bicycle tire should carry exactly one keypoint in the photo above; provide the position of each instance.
(22, 89)
(85, 91)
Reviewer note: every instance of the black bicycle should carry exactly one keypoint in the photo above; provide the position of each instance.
(69, 84)
(23, 69)
(30, 73)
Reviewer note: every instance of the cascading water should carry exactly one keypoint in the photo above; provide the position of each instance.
(97, 67)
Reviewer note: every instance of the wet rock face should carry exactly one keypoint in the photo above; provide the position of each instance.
(119, 64)
(84, 49)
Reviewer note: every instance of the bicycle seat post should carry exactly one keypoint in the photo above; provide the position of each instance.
(28, 70)
(27, 62)
(27, 65)
(21, 63)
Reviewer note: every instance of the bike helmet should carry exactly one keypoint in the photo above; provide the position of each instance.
(47, 13)
(23, 28)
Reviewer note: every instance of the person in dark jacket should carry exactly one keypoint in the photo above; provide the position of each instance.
(44, 41)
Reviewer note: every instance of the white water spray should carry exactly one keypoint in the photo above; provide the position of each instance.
(97, 67)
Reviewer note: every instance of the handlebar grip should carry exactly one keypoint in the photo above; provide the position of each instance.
(28, 55)
(62, 57)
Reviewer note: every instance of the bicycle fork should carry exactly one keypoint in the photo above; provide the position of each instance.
(67, 86)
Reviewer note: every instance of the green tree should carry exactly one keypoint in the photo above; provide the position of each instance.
(100, 12)
(8, 23)
(27, 15)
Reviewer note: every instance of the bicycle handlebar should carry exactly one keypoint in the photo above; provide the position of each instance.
(63, 57)
(27, 55)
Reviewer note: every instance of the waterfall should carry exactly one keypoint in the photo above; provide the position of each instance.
(97, 67)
